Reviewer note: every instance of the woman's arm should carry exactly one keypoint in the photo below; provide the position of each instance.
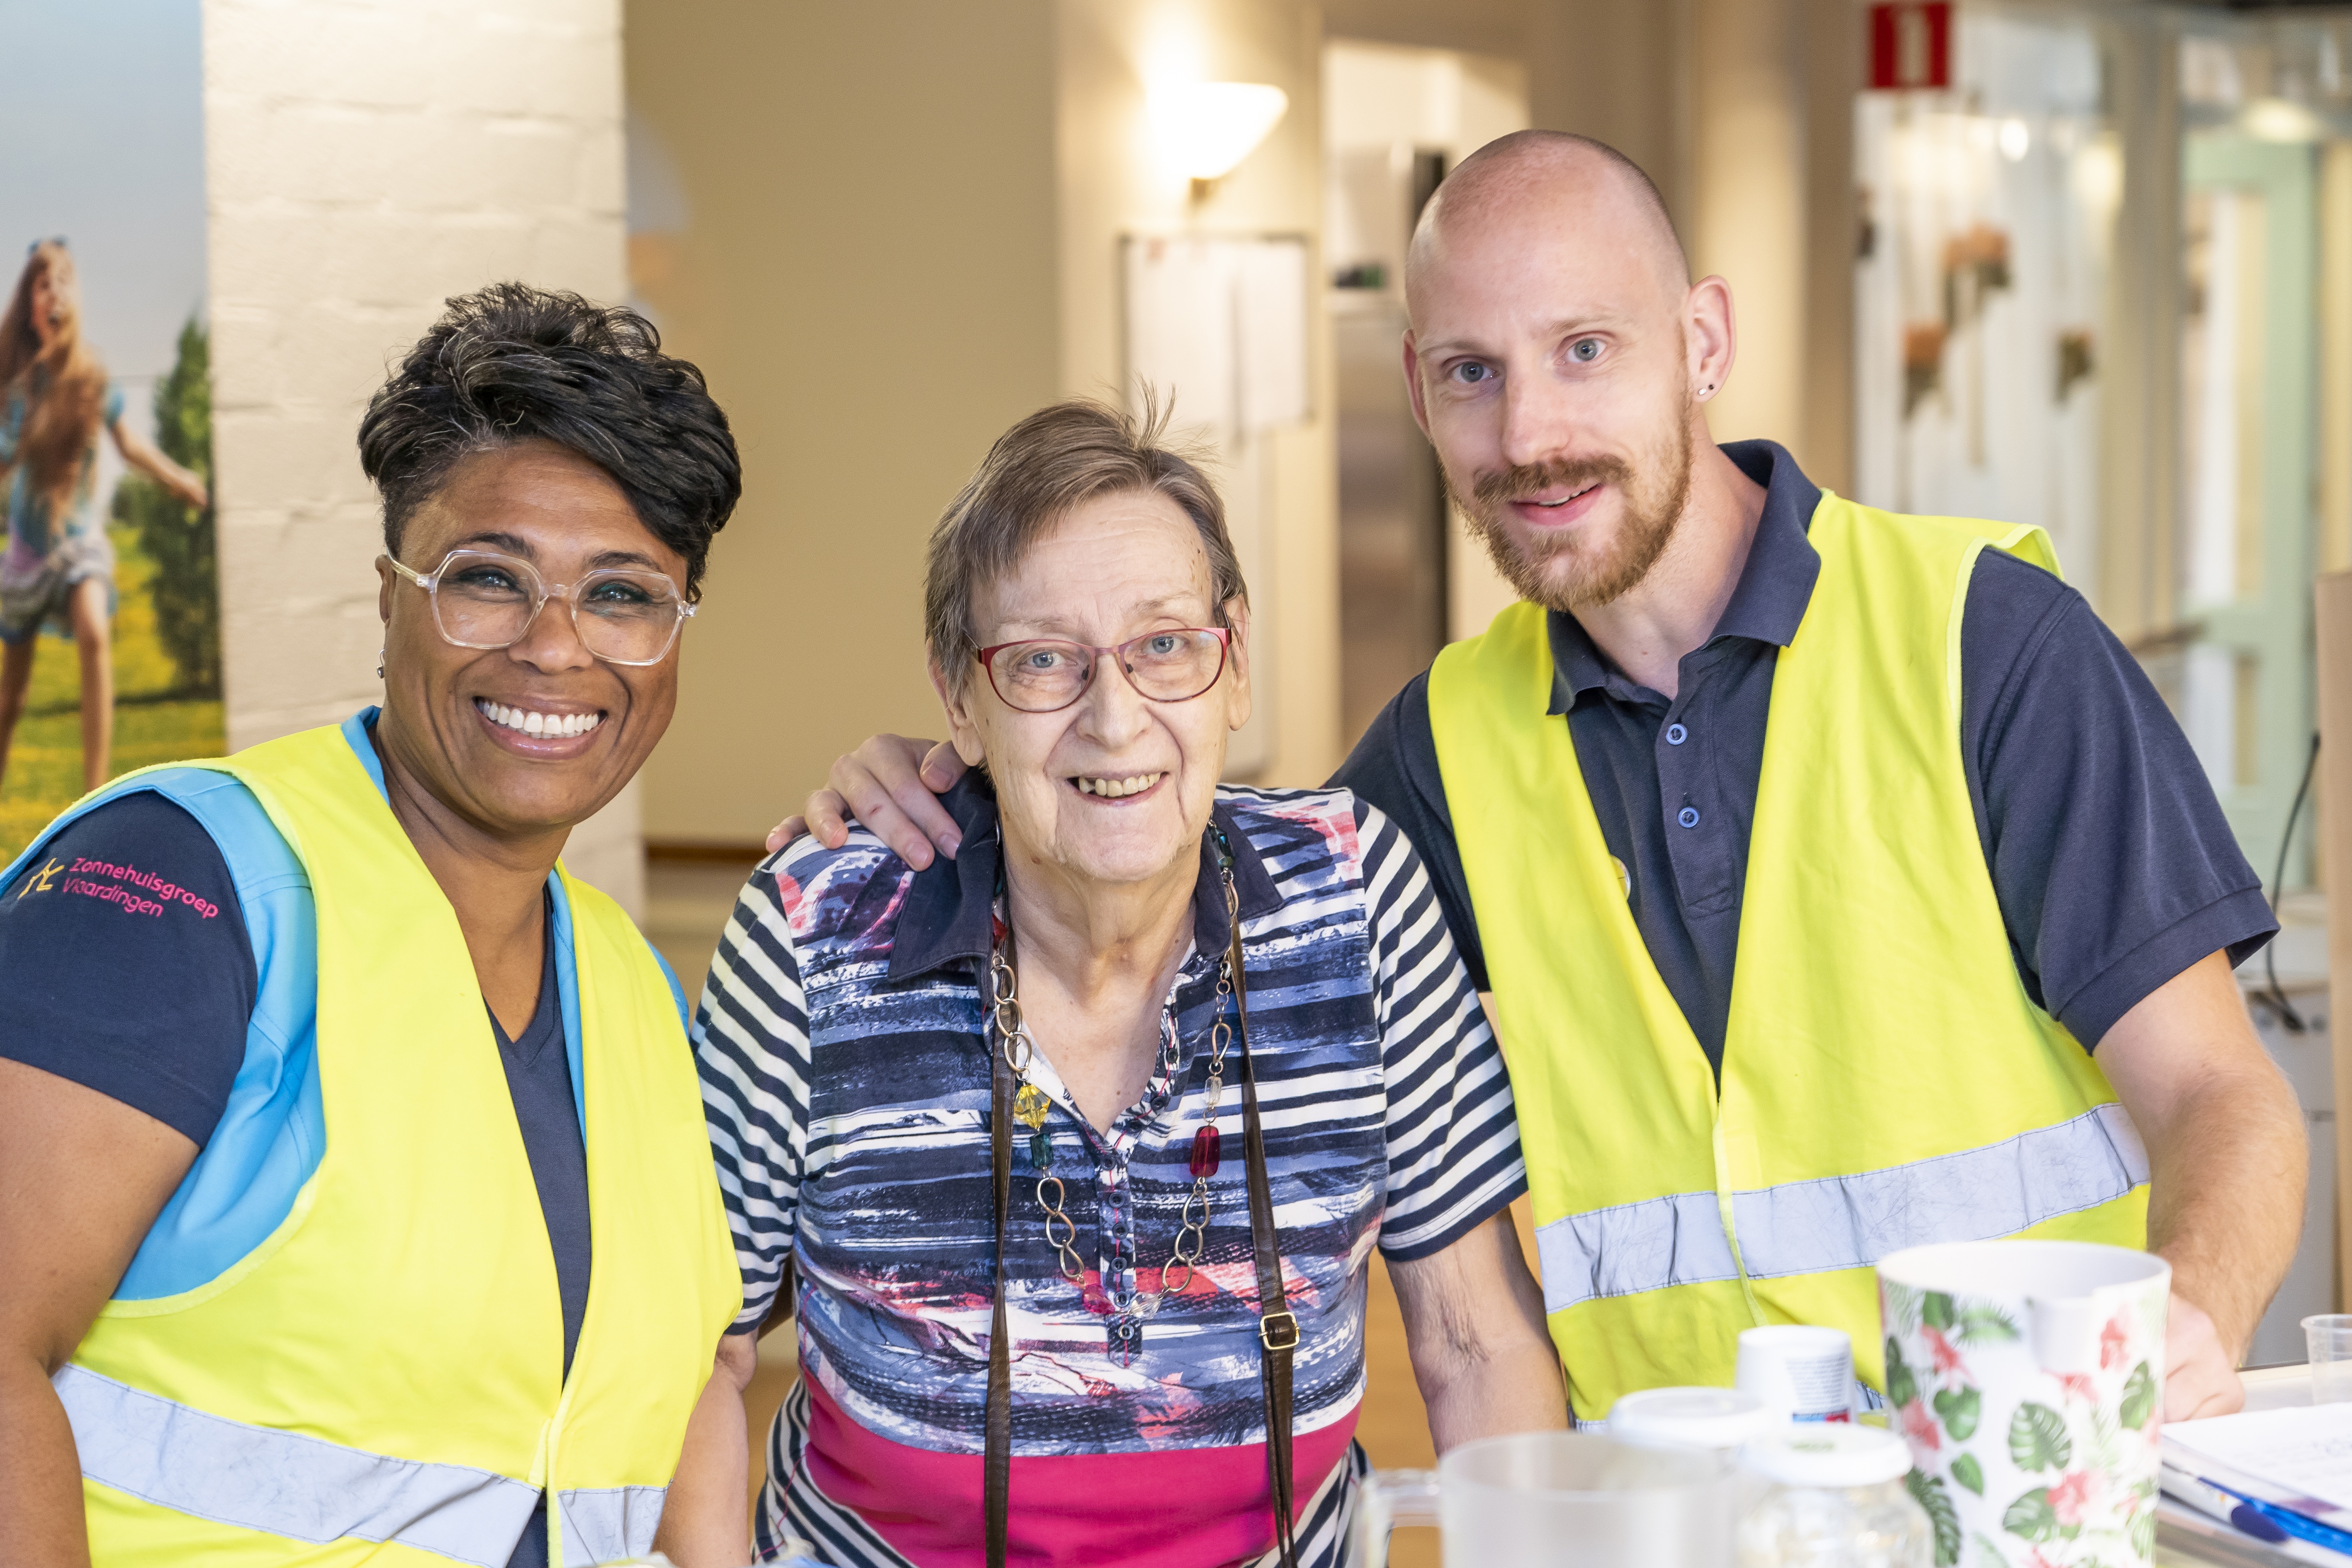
(1473, 1321)
(144, 454)
(82, 1178)
(706, 1522)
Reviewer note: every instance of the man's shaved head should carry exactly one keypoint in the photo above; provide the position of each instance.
(1558, 356)
(1538, 168)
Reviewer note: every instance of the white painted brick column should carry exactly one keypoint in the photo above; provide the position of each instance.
(365, 160)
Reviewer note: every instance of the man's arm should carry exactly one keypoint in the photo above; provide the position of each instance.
(2228, 1160)
(706, 1516)
(1474, 1321)
(82, 1177)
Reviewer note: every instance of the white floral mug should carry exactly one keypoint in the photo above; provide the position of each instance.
(2028, 1377)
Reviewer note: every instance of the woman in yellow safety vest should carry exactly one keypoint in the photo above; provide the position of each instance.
(355, 1200)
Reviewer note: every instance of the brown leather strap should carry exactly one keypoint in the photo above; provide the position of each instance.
(999, 1461)
(1277, 1330)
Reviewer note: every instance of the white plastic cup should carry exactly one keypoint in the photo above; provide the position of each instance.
(1804, 1371)
(2329, 1337)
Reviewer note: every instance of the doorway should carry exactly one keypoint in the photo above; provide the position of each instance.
(1395, 120)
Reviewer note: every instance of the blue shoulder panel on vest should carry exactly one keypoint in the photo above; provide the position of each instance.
(356, 734)
(677, 992)
(567, 992)
(272, 1133)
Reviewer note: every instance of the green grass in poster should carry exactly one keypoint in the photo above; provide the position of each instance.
(153, 723)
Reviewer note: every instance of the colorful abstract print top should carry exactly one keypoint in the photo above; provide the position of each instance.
(847, 1083)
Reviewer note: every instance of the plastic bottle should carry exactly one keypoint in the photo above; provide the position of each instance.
(1833, 1498)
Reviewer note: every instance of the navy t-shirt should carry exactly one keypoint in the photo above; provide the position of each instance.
(133, 903)
(2113, 865)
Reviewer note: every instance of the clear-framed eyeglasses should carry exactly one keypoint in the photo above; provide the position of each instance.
(484, 599)
(1045, 675)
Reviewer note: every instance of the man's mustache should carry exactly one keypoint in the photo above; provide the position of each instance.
(1533, 478)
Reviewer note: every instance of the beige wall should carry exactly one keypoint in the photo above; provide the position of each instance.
(902, 235)
(366, 159)
(867, 275)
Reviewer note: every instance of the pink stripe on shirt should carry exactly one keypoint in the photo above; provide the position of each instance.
(1168, 1508)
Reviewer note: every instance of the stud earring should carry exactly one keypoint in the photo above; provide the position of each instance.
(379, 664)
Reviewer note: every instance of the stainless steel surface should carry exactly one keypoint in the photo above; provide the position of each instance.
(1392, 513)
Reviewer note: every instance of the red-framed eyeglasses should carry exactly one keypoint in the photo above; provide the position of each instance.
(1045, 675)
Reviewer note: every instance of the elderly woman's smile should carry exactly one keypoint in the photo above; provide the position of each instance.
(1107, 681)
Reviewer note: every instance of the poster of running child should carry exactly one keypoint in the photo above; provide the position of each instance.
(109, 617)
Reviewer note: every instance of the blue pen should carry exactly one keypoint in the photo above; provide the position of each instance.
(2213, 1503)
(2294, 1523)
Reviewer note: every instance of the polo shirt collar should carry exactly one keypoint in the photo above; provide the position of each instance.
(1766, 604)
(950, 904)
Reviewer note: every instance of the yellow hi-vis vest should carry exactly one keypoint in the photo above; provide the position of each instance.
(382, 1380)
(1886, 1080)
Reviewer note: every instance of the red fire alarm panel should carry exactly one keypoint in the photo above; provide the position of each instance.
(1911, 44)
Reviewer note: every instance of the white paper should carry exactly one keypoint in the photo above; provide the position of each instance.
(2303, 1455)
(1220, 326)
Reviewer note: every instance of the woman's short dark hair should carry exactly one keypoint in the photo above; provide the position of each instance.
(510, 363)
(1058, 458)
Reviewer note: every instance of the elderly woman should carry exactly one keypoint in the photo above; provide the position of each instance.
(1079, 1144)
(355, 1201)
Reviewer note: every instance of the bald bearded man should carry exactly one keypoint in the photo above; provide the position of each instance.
(1889, 772)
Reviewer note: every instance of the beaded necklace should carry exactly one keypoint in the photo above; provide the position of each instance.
(1031, 1106)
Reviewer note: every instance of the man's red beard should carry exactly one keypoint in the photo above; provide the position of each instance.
(1559, 571)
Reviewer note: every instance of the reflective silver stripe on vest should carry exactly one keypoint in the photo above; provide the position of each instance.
(282, 1482)
(608, 1523)
(1843, 1222)
(1633, 1248)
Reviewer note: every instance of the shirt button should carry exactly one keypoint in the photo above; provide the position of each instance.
(1675, 736)
(1688, 817)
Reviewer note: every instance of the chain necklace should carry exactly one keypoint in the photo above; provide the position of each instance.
(1031, 1106)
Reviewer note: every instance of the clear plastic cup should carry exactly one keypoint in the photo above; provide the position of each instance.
(1558, 1499)
(2329, 1337)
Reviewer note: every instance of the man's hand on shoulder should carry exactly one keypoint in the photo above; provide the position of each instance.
(891, 784)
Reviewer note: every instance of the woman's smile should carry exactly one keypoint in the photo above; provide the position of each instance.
(1118, 789)
(539, 728)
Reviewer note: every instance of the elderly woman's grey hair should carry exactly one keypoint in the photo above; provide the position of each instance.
(1058, 458)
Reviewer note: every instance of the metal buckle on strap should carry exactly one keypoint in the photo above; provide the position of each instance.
(1278, 1331)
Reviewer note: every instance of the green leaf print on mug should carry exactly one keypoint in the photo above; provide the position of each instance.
(1928, 1492)
(1960, 1409)
(1936, 1310)
(2139, 1397)
(1902, 1387)
(1968, 1473)
(1984, 1325)
(2037, 1438)
(2032, 1516)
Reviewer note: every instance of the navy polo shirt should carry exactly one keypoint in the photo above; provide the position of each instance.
(2112, 862)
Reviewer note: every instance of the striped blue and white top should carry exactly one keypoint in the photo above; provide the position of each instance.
(847, 1077)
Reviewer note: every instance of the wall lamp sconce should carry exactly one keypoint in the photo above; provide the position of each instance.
(2279, 120)
(1209, 127)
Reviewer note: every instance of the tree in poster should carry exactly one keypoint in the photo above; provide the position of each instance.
(179, 537)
